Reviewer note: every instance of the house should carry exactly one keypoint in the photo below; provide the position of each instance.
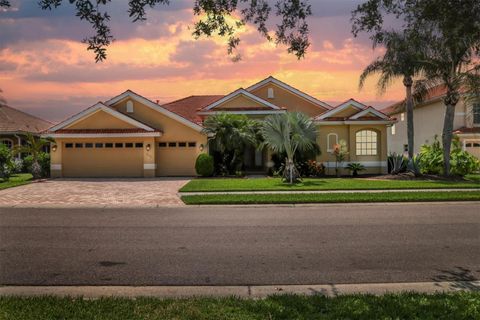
(428, 122)
(132, 136)
(15, 124)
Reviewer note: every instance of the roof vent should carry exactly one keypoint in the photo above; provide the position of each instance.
(270, 93)
(129, 106)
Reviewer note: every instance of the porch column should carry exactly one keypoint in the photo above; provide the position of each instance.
(149, 165)
(56, 159)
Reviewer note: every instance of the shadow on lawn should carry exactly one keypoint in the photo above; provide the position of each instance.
(460, 277)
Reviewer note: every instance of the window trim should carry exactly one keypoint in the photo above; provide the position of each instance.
(328, 141)
(476, 124)
(9, 140)
(358, 151)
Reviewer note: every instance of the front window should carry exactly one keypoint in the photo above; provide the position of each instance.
(7, 142)
(476, 114)
(366, 143)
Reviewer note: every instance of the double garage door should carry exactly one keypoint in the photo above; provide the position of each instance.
(102, 159)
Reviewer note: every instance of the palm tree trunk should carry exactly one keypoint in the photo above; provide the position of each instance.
(447, 136)
(408, 82)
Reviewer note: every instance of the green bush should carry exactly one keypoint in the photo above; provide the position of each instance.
(355, 167)
(204, 165)
(6, 162)
(43, 161)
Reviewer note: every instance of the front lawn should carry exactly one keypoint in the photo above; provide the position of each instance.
(462, 305)
(16, 180)
(332, 197)
(275, 184)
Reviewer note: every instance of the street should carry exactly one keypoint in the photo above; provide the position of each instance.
(354, 243)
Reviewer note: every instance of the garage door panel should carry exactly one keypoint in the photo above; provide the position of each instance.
(96, 162)
(176, 162)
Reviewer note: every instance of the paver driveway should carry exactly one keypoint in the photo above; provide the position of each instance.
(95, 193)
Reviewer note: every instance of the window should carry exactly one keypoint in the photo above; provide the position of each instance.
(332, 140)
(402, 117)
(172, 144)
(405, 148)
(270, 93)
(366, 143)
(139, 145)
(78, 145)
(476, 114)
(88, 145)
(129, 145)
(162, 144)
(393, 130)
(129, 106)
(118, 145)
(182, 144)
(99, 145)
(468, 145)
(192, 144)
(476, 145)
(7, 142)
(68, 145)
(109, 145)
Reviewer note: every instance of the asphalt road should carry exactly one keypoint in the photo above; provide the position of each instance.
(240, 246)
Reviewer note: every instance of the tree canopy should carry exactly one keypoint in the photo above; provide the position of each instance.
(216, 17)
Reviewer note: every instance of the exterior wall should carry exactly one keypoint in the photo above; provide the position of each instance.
(375, 164)
(285, 99)
(239, 101)
(348, 112)
(169, 161)
(427, 122)
(101, 120)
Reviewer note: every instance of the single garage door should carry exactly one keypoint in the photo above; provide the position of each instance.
(99, 159)
(176, 158)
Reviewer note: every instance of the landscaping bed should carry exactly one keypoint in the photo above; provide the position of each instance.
(275, 184)
(461, 305)
(16, 180)
(290, 198)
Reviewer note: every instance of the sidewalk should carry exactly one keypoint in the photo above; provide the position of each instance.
(239, 291)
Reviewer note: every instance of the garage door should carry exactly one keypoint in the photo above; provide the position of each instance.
(176, 158)
(111, 159)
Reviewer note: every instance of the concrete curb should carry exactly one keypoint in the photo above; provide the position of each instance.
(239, 291)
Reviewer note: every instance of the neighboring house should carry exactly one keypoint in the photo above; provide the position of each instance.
(15, 124)
(428, 122)
(132, 136)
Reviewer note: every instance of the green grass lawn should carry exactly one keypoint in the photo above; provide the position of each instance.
(275, 184)
(461, 305)
(16, 180)
(332, 197)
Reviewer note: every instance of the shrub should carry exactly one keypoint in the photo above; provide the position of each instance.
(6, 162)
(315, 169)
(396, 163)
(17, 165)
(43, 161)
(463, 163)
(204, 165)
(355, 167)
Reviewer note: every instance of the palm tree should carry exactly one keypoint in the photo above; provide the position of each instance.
(230, 134)
(34, 146)
(287, 133)
(404, 59)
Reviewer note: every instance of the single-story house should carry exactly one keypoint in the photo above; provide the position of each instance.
(132, 136)
(428, 117)
(15, 124)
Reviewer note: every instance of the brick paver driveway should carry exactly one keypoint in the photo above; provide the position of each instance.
(95, 193)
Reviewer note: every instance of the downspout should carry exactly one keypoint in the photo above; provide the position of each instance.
(19, 155)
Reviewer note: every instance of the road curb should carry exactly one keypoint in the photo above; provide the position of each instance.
(239, 291)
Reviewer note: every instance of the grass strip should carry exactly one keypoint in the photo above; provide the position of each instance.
(275, 184)
(16, 180)
(461, 305)
(332, 197)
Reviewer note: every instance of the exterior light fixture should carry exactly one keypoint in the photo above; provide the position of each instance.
(148, 147)
(201, 147)
(54, 148)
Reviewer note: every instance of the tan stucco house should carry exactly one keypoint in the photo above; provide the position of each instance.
(428, 118)
(132, 136)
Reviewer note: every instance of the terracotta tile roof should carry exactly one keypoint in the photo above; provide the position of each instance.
(100, 131)
(13, 120)
(434, 94)
(188, 107)
(252, 108)
(467, 130)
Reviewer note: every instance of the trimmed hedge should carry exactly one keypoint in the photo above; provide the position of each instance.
(204, 165)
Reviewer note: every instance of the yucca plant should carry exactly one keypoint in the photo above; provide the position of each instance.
(355, 167)
(397, 163)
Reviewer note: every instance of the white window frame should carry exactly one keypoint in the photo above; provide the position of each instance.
(328, 141)
(402, 116)
(9, 140)
(473, 115)
(358, 151)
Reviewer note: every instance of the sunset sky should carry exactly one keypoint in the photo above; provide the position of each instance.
(47, 71)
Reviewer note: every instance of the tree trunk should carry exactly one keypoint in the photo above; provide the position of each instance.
(447, 136)
(408, 82)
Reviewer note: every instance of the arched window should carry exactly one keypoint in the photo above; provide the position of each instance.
(332, 140)
(366, 143)
(7, 142)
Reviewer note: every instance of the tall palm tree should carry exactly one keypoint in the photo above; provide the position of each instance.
(287, 133)
(230, 134)
(404, 59)
(34, 146)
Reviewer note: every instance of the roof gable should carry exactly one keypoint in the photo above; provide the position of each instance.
(254, 102)
(14, 120)
(99, 107)
(369, 112)
(341, 110)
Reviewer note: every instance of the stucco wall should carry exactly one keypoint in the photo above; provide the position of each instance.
(100, 120)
